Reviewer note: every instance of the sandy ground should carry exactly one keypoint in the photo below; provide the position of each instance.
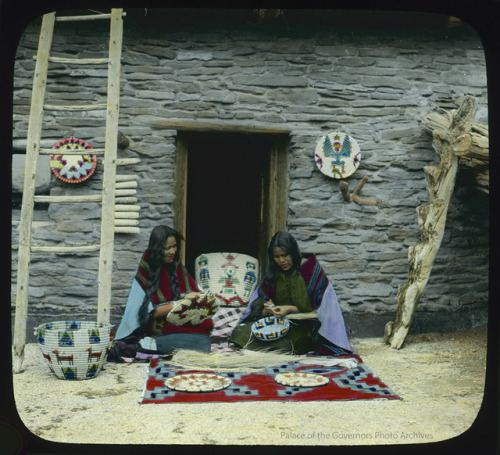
(440, 378)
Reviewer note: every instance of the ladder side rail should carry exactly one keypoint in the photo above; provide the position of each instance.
(25, 224)
(109, 171)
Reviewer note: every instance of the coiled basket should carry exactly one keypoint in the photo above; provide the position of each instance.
(74, 349)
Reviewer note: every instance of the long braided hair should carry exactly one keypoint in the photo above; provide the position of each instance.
(156, 246)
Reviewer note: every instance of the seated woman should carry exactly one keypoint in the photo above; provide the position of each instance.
(160, 281)
(295, 285)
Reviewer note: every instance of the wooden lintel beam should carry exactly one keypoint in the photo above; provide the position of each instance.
(206, 127)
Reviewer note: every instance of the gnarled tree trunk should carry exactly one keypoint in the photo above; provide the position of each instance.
(452, 138)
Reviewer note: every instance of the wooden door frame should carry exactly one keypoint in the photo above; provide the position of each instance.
(275, 192)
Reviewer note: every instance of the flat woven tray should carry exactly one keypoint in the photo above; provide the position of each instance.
(193, 311)
(301, 379)
(337, 155)
(72, 168)
(198, 382)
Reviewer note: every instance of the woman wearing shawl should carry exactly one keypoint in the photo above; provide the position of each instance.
(294, 285)
(160, 281)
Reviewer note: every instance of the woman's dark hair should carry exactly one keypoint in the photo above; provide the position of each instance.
(285, 241)
(156, 247)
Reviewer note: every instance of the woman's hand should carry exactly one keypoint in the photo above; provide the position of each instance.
(283, 310)
(163, 310)
(268, 308)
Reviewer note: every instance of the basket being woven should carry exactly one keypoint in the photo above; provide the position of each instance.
(74, 349)
(192, 310)
(270, 328)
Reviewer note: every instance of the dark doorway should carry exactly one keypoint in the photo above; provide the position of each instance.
(225, 179)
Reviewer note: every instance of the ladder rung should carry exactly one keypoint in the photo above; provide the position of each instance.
(87, 17)
(59, 199)
(97, 151)
(65, 248)
(79, 61)
(75, 107)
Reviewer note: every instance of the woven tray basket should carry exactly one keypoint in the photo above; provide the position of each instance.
(337, 155)
(193, 311)
(74, 349)
(72, 168)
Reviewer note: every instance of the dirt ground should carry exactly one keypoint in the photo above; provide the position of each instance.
(439, 377)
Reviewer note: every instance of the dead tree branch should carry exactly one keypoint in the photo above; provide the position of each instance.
(344, 188)
(450, 143)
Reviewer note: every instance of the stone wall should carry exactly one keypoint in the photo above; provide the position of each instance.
(370, 77)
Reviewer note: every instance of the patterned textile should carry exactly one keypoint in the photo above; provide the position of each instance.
(164, 293)
(357, 383)
(315, 279)
(225, 321)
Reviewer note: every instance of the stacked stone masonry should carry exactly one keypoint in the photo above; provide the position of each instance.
(375, 83)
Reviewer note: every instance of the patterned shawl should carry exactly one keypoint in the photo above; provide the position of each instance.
(186, 283)
(179, 281)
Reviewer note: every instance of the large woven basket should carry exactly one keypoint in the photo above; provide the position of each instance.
(74, 349)
(230, 277)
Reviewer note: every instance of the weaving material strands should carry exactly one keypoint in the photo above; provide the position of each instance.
(246, 360)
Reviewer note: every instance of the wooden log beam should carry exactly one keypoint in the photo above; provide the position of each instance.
(184, 125)
(440, 179)
(476, 156)
(127, 230)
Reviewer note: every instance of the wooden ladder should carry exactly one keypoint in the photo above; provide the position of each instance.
(109, 156)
